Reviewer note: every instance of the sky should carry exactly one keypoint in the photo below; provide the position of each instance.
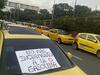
(47, 4)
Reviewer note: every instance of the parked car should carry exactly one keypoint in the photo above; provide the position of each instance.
(42, 29)
(60, 36)
(23, 51)
(88, 42)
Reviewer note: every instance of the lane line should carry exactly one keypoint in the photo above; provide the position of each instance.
(77, 57)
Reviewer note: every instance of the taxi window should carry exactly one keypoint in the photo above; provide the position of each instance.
(62, 32)
(50, 30)
(53, 31)
(83, 36)
(91, 38)
(39, 27)
(22, 30)
(9, 60)
(45, 28)
(98, 37)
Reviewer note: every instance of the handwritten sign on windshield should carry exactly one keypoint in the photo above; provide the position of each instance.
(36, 60)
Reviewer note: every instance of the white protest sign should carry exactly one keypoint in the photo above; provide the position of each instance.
(36, 60)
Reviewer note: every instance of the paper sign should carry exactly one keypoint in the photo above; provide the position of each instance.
(36, 60)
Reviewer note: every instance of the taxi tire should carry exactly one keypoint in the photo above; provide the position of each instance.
(59, 41)
(98, 54)
(75, 46)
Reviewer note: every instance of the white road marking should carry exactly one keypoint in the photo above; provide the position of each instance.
(77, 57)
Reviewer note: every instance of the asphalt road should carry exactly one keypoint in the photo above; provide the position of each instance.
(88, 62)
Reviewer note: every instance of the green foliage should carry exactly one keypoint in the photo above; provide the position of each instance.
(82, 11)
(2, 4)
(85, 20)
(39, 22)
(44, 14)
(1, 14)
(79, 24)
(95, 13)
(62, 9)
(28, 15)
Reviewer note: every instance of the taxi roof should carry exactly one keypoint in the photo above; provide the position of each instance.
(90, 34)
(22, 33)
(22, 30)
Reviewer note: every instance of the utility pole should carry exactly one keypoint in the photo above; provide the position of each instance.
(18, 10)
(52, 13)
(74, 12)
(96, 8)
(53, 10)
(10, 17)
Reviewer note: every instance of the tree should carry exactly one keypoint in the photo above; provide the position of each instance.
(1, 14)
(23, 15)
(62, 9)
(44, 14)
(82, 11)
(29, 15)
(95, 13)
(2, 4)
(6, 15)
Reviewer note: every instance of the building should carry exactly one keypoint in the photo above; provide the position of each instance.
(21, 6)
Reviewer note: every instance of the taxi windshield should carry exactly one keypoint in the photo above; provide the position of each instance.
(13, 48)
(62, 32)
(45, 28)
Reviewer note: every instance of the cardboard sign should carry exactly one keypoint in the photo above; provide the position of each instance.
(36, 60)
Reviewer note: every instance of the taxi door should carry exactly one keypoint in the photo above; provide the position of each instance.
(91, 44)
(39, 29)
(53, 34)
(82, 41)
(1, 42)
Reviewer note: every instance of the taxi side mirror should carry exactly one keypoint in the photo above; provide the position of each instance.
(69, 55)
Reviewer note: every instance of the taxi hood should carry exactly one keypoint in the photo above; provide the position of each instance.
(73, 71)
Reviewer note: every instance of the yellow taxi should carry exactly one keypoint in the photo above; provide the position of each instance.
(23, 51)
(60, 36)
(42, 29)
(88, 42)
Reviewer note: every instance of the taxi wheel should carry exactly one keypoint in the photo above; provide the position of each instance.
(75, 46)
(59, 41)
(98, 54)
